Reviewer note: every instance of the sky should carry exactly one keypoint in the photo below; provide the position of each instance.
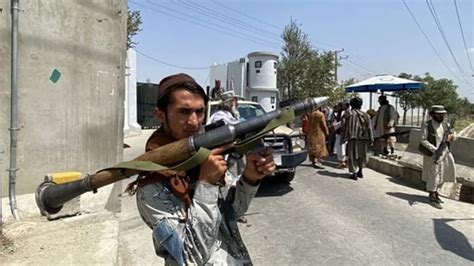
(377, 36)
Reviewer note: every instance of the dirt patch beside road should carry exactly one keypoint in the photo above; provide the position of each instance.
(76, 240)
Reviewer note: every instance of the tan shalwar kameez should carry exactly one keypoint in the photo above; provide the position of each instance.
(317, 132)
(385, 121)
(436, 174)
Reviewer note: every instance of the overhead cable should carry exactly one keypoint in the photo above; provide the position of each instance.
(443, 35)
(214, 14)
(429, 41)
(463, 37)
(168, 64)
(207, 25)
(245, 15)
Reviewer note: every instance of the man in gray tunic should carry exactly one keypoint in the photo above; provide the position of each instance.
(193, 214)
(443, 170)
(357, 131)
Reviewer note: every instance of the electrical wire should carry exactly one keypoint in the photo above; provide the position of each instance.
(248, 37)
(356, 69)
(463, 37)
(443, 35)
(245, 15)
(219, 26)
(214, 12)
(208, 26)
(235, 22)
(169, 64)
(429, 41)
(227, 19)
(361, 66)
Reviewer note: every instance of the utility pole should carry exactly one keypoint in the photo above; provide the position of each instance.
(336, 58)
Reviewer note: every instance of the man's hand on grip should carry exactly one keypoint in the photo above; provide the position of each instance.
(214, 167)
(258, 166)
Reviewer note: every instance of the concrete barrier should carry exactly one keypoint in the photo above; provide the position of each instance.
(404, 138)
(463, 151)
(461, 148)
(410, 166)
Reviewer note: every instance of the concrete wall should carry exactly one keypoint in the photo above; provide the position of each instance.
(462, 151)
(461, 148)
(75, 123)
(403, 128)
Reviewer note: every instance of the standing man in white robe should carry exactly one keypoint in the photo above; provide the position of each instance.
(385, 121)
(436, 173)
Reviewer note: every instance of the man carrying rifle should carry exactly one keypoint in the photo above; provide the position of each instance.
(438, 162)
(193, 213)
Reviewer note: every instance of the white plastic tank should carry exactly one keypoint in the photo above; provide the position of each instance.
(262, 79)
(262, 70)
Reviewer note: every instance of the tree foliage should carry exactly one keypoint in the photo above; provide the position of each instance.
(303, 71)
(134, 22)
(435, 92)
(409, 99)
(438, 91)
(338, 94)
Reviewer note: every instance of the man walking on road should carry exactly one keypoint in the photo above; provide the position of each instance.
(357, 131)
(317, 134)
(435, 173)
(193, 214)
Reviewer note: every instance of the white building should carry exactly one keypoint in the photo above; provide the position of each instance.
(130, 125)
(253, 78)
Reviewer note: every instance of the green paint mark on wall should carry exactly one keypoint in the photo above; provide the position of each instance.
(55, 76)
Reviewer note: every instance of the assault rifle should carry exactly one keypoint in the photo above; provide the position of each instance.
(50, 197)
(394, 134)
(443, 148)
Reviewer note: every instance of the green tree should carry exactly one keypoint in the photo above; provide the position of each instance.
(438, 91)
(296, 56)
(319, 77)
(134, 22)
(408, 99)
(463, 107)
(303, 71)
(338, 94)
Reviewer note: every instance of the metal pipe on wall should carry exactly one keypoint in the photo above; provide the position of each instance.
(14, 109)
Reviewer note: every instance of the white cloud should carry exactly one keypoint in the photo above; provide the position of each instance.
(471, 50)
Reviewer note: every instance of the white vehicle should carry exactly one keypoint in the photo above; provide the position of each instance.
(287, 144)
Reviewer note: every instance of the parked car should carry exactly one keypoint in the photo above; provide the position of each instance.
(288, 145)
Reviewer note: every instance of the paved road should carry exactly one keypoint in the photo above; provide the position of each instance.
(324, 218)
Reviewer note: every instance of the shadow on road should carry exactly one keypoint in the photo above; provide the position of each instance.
(272, 188)
(420, 185)
(306, 165)
(452, 240)
(334, 174)
(412, 199)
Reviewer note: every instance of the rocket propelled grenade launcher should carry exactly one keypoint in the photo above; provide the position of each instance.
(50, 196)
